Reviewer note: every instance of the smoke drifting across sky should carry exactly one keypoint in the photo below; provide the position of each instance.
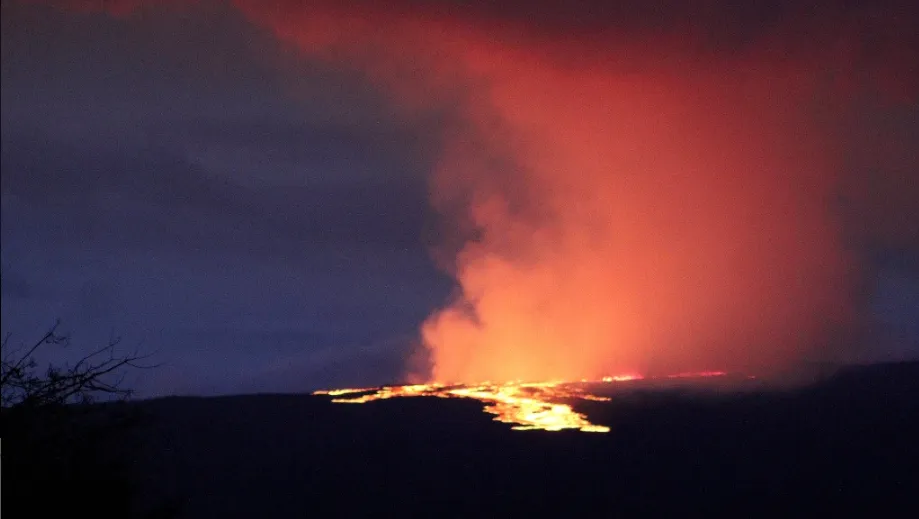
(642, 186)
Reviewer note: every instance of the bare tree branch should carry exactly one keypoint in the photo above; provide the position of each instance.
(81, 382)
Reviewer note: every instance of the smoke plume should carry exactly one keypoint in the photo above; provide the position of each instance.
(633, 187)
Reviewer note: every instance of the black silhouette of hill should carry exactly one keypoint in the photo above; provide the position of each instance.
(846, 445)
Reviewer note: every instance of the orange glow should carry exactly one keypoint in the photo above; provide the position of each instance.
(337, 392)
(633, 189)
(611, 202)
(529, 406)
(621, 378)
(695, 374)
(645, 192)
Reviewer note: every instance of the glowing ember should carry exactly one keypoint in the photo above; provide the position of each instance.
(622, 378)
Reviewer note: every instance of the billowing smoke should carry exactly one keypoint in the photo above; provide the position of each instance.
(631, 188)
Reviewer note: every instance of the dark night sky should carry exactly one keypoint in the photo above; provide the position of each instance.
(257, 225)
(256, 218)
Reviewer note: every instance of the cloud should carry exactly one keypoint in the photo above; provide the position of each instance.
(162, 181)
(642, 185)
(638, 186)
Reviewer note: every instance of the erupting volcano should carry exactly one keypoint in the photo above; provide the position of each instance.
(653, 192)
(532, 218)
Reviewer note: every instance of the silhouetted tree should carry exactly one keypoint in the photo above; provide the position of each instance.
(70, 442)
(24, 386)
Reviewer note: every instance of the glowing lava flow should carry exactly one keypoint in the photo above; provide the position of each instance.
(532, 405)
(538, 405)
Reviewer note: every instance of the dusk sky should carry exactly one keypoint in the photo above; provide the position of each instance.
(282, 196)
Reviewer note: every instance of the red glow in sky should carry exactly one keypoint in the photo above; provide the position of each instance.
(653, 194)
(621, 200)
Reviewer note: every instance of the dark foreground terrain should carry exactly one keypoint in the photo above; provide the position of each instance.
(847, 444)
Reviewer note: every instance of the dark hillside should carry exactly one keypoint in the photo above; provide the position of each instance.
(847, 444)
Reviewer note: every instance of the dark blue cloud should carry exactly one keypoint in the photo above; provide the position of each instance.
(161, 179)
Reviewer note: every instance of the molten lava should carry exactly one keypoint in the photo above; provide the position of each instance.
(531, 405)
(538, 405)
